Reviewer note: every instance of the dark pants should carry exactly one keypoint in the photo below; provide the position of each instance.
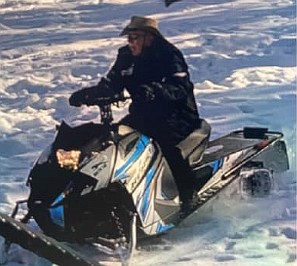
(161, 132)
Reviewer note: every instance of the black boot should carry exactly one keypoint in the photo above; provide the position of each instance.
(189, 203)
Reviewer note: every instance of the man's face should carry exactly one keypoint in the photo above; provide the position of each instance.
(137, 40)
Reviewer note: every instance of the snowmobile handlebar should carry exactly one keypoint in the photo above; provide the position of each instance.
(104, 103)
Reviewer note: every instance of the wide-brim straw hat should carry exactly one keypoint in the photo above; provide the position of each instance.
(142, 23)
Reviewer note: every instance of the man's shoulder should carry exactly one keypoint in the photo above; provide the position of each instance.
(168, 48)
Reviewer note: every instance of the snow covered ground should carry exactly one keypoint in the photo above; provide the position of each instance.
(242, 59)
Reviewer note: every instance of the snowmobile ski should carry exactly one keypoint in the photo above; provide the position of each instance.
(54, 251)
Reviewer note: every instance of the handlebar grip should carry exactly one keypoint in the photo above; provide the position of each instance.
(103, 101)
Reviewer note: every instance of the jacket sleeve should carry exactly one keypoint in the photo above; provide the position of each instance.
(113, 79)
(176, 83)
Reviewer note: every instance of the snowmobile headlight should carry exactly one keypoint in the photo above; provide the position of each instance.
(68, 159)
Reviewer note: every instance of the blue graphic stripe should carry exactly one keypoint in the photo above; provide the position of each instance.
(57, 213)
(145, 202)
(142, 143)
(163, 227)
(216, 165)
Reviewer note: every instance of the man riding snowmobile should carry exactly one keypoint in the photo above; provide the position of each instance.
(163, 106)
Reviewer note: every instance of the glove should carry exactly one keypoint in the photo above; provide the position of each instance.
(148, 93)
(88, 95)
(82, 96)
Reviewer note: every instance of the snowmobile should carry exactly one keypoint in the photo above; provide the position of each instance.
(108, 185)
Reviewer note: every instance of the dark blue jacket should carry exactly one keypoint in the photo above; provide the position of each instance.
(162, 67)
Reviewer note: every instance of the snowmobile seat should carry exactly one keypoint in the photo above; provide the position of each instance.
(193, 146)
(125, 130)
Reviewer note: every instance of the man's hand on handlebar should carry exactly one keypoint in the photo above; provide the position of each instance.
(103, 101)
(88, 97)
(102, 90)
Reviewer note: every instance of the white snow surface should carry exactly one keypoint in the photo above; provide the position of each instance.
(242, 59)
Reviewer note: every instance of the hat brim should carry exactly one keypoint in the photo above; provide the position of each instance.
(128, 30)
